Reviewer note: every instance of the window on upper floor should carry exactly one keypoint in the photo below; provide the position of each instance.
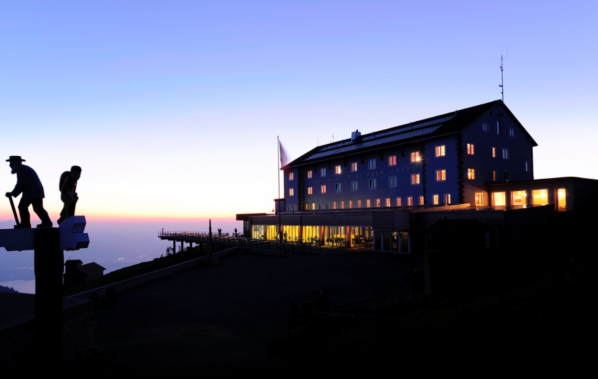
(310, 190)
(323, 172)
(291, 175)
(494, 176)
(291, 192)
(505, 176)
(392, 181)
(409, 201)
(421, 200)
(435, 199)
(470, 149)
(470, 173)
(485, 126)
(440, 175)
(414, 178)
(338, 170)
(310, 174)
(392, 160)
(354, 185)
(353, 166)
(493, 152)
(415, 156)
(337, 187)
(505, 153)
(440, 151)
(526, 166)
(323, 188)
(511, 132)
(372, 184)
(371, 164)
(307, 206)
(498, 127)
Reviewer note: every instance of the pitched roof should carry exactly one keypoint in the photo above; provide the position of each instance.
(430, 127)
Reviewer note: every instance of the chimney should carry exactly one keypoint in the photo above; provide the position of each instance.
(354, 135)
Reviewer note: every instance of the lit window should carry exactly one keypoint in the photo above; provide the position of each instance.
(435, 200)
(540, 197)
(440, 175)
(367, 203)
(354, 166)
(415, 156)
(372, 184)
(470, 149)
(354, 185)
(333, 205)
(494, 176)
(350, 204)
(358, 203)
(310, 190)
(410, 201)
(485, 127)
(313, 206)
(505, 153)
(470, 173)
(323, 188)
(310, 173)
(337, 187)
(561, 199)
(291, 175)
(414, 178)
(447, 198)
(291, 191)
(519, 199)
(511, 132)
(392, 160)
(372, 164)
(479, 199)
(388, 201)
(342, 205)
(323, 171)
(440, 151)
(398, 201)
(493, 152)
(499, 199)
(421, 200)
(307, 206)
(377, 203)
(392, 181)
(338, 170)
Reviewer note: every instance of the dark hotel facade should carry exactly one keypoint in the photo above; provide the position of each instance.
(385, 190)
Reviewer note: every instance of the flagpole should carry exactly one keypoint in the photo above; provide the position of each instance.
(278, 149)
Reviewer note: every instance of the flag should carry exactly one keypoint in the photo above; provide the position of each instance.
(282, 155)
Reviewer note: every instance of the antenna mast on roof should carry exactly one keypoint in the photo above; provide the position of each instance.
(501, 85)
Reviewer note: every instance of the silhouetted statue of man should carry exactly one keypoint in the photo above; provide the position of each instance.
(30, 186)
(68, 194)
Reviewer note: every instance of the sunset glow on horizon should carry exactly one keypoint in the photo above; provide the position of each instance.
(173, 109)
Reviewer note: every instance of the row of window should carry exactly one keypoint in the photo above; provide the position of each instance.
(498, 128)
(392, 182)
(440, 151)
(388, 202)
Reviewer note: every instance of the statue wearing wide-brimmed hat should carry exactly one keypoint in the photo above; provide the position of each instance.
(30, 186)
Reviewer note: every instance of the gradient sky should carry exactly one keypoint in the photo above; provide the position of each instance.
(172, 108)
